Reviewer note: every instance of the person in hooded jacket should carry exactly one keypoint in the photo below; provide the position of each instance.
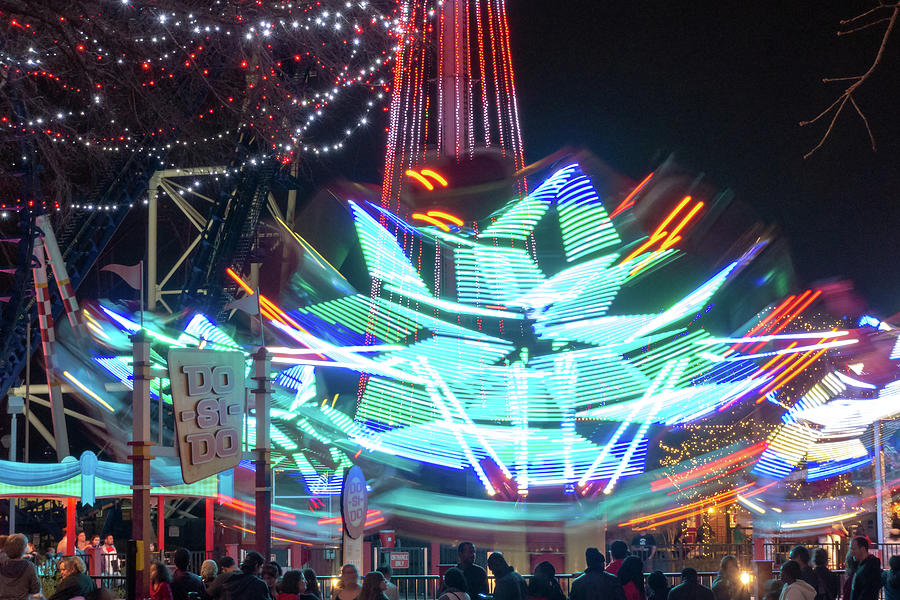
(544, 585)
(184, 583)
(794, 587)
(889, 579)
(509, 584)
(657, 586)
(866, 583)
(227, 569)
(246, 584)
(18, 579)
(828, 583)
(690, 587)
(596, 583)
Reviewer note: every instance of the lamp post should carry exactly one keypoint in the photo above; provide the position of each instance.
(15, 407)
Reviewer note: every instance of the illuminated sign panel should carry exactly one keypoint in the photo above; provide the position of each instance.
(208, 401)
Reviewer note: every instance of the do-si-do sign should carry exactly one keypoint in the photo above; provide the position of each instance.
(354, 502)
(208, 401)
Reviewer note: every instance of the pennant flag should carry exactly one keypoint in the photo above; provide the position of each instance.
(249, 304)
(131, 275)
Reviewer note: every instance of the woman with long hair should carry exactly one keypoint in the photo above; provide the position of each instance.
(544, 585)
(312, 583)
(160, 581)
(293, 587)
(347, 587)
(631, 575)
(373, 586)
(891, 579)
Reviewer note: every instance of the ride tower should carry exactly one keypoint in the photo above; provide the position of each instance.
(453, 105)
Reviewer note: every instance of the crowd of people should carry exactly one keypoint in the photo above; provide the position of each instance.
(804, 576)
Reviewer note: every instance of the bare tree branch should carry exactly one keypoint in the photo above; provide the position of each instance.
(838, 106)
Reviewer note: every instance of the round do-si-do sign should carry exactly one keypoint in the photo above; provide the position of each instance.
(354, 502)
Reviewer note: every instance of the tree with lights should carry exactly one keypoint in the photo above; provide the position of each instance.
(85, 85)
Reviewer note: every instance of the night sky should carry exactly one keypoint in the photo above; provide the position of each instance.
(723, 86)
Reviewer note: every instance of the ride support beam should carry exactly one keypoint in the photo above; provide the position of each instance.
(210, 527)
(161, 524)
(48, 343)
(61, 274)
(140, 457)
(71, 525)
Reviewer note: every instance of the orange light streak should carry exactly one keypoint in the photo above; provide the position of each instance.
(787, 321)
(717, 501)
(439, 214)
(759, 325)
(418, 177)
(709, 467)
(690, 506)
(791, 373)
(674, 237)
(708, 479)
(431, 220)
(436, 176)
(628, 202)
(661, 233)
(269, 309)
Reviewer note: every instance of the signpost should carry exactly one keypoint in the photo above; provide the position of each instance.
(354, 508)
(208, 402)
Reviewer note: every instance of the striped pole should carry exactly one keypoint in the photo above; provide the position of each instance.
(48, 343)
(61, 274)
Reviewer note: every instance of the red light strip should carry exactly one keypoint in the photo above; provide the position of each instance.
(762, 323)
(338, 520)
(790, 318)
(628, 202)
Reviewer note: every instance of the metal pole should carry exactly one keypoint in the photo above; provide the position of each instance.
(141, 443)
(14, 407)
(262, 362)
(879, 486)
(27, 388)
(12, 458)
(152, 218)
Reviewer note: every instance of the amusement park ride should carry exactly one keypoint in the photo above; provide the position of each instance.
(482, 327)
